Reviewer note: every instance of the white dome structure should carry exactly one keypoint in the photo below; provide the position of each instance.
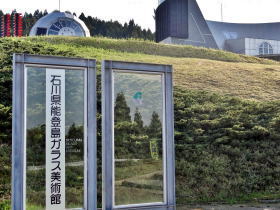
(60, 23)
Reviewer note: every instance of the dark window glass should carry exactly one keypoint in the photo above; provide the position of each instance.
(41, 31)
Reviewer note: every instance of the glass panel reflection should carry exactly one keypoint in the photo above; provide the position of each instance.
(36, 132)
(138, 138)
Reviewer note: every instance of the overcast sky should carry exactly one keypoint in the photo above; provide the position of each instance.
(142, 10)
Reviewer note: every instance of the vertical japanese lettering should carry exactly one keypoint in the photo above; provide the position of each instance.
(55, 139)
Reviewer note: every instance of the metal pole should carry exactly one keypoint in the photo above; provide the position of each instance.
(222, 15)
(59, 5)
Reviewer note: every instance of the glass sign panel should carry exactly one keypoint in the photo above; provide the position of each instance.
(138, 138)
(55, 138)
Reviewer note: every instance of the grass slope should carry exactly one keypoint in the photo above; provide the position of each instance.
(226, 113)
(151, 48)
(246, 77)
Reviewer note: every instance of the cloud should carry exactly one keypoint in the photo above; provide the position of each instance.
(241, 11)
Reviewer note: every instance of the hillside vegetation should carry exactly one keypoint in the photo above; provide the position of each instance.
(194, 68)
(151, 48)
(226, 113)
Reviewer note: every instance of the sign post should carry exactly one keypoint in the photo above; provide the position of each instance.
(54, 125)
(138, 158)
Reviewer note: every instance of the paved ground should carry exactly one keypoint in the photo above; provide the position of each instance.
(231, 207)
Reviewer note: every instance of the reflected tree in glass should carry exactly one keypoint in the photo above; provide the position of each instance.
(138, 114)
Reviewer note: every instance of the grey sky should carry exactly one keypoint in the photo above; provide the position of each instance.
(142, 10)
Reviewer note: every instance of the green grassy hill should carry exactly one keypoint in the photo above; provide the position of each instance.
(226, 113)
(194, 68)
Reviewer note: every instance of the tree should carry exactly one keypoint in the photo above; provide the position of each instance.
(155, 127)
(75, 132)
(123, 127)
(139, 127)
(5, 124)
(45, 12)
(122, 111)
(130, 28)
(155, 132)
(35, 145)
(75, 138)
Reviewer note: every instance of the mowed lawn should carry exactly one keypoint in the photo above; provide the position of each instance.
(231, 74)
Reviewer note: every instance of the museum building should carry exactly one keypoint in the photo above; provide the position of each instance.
(182, 22)
(60, 24)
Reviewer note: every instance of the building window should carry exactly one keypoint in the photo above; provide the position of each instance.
(265, 49)
(41, 31)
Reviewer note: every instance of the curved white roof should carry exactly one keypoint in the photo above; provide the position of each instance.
(223, 31)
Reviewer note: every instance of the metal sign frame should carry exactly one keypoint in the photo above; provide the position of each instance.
(108, 128)
(20, 61)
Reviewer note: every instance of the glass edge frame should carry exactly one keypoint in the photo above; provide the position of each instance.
(162, 74)
(19, 75)
(85, 79)
(107, 104)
